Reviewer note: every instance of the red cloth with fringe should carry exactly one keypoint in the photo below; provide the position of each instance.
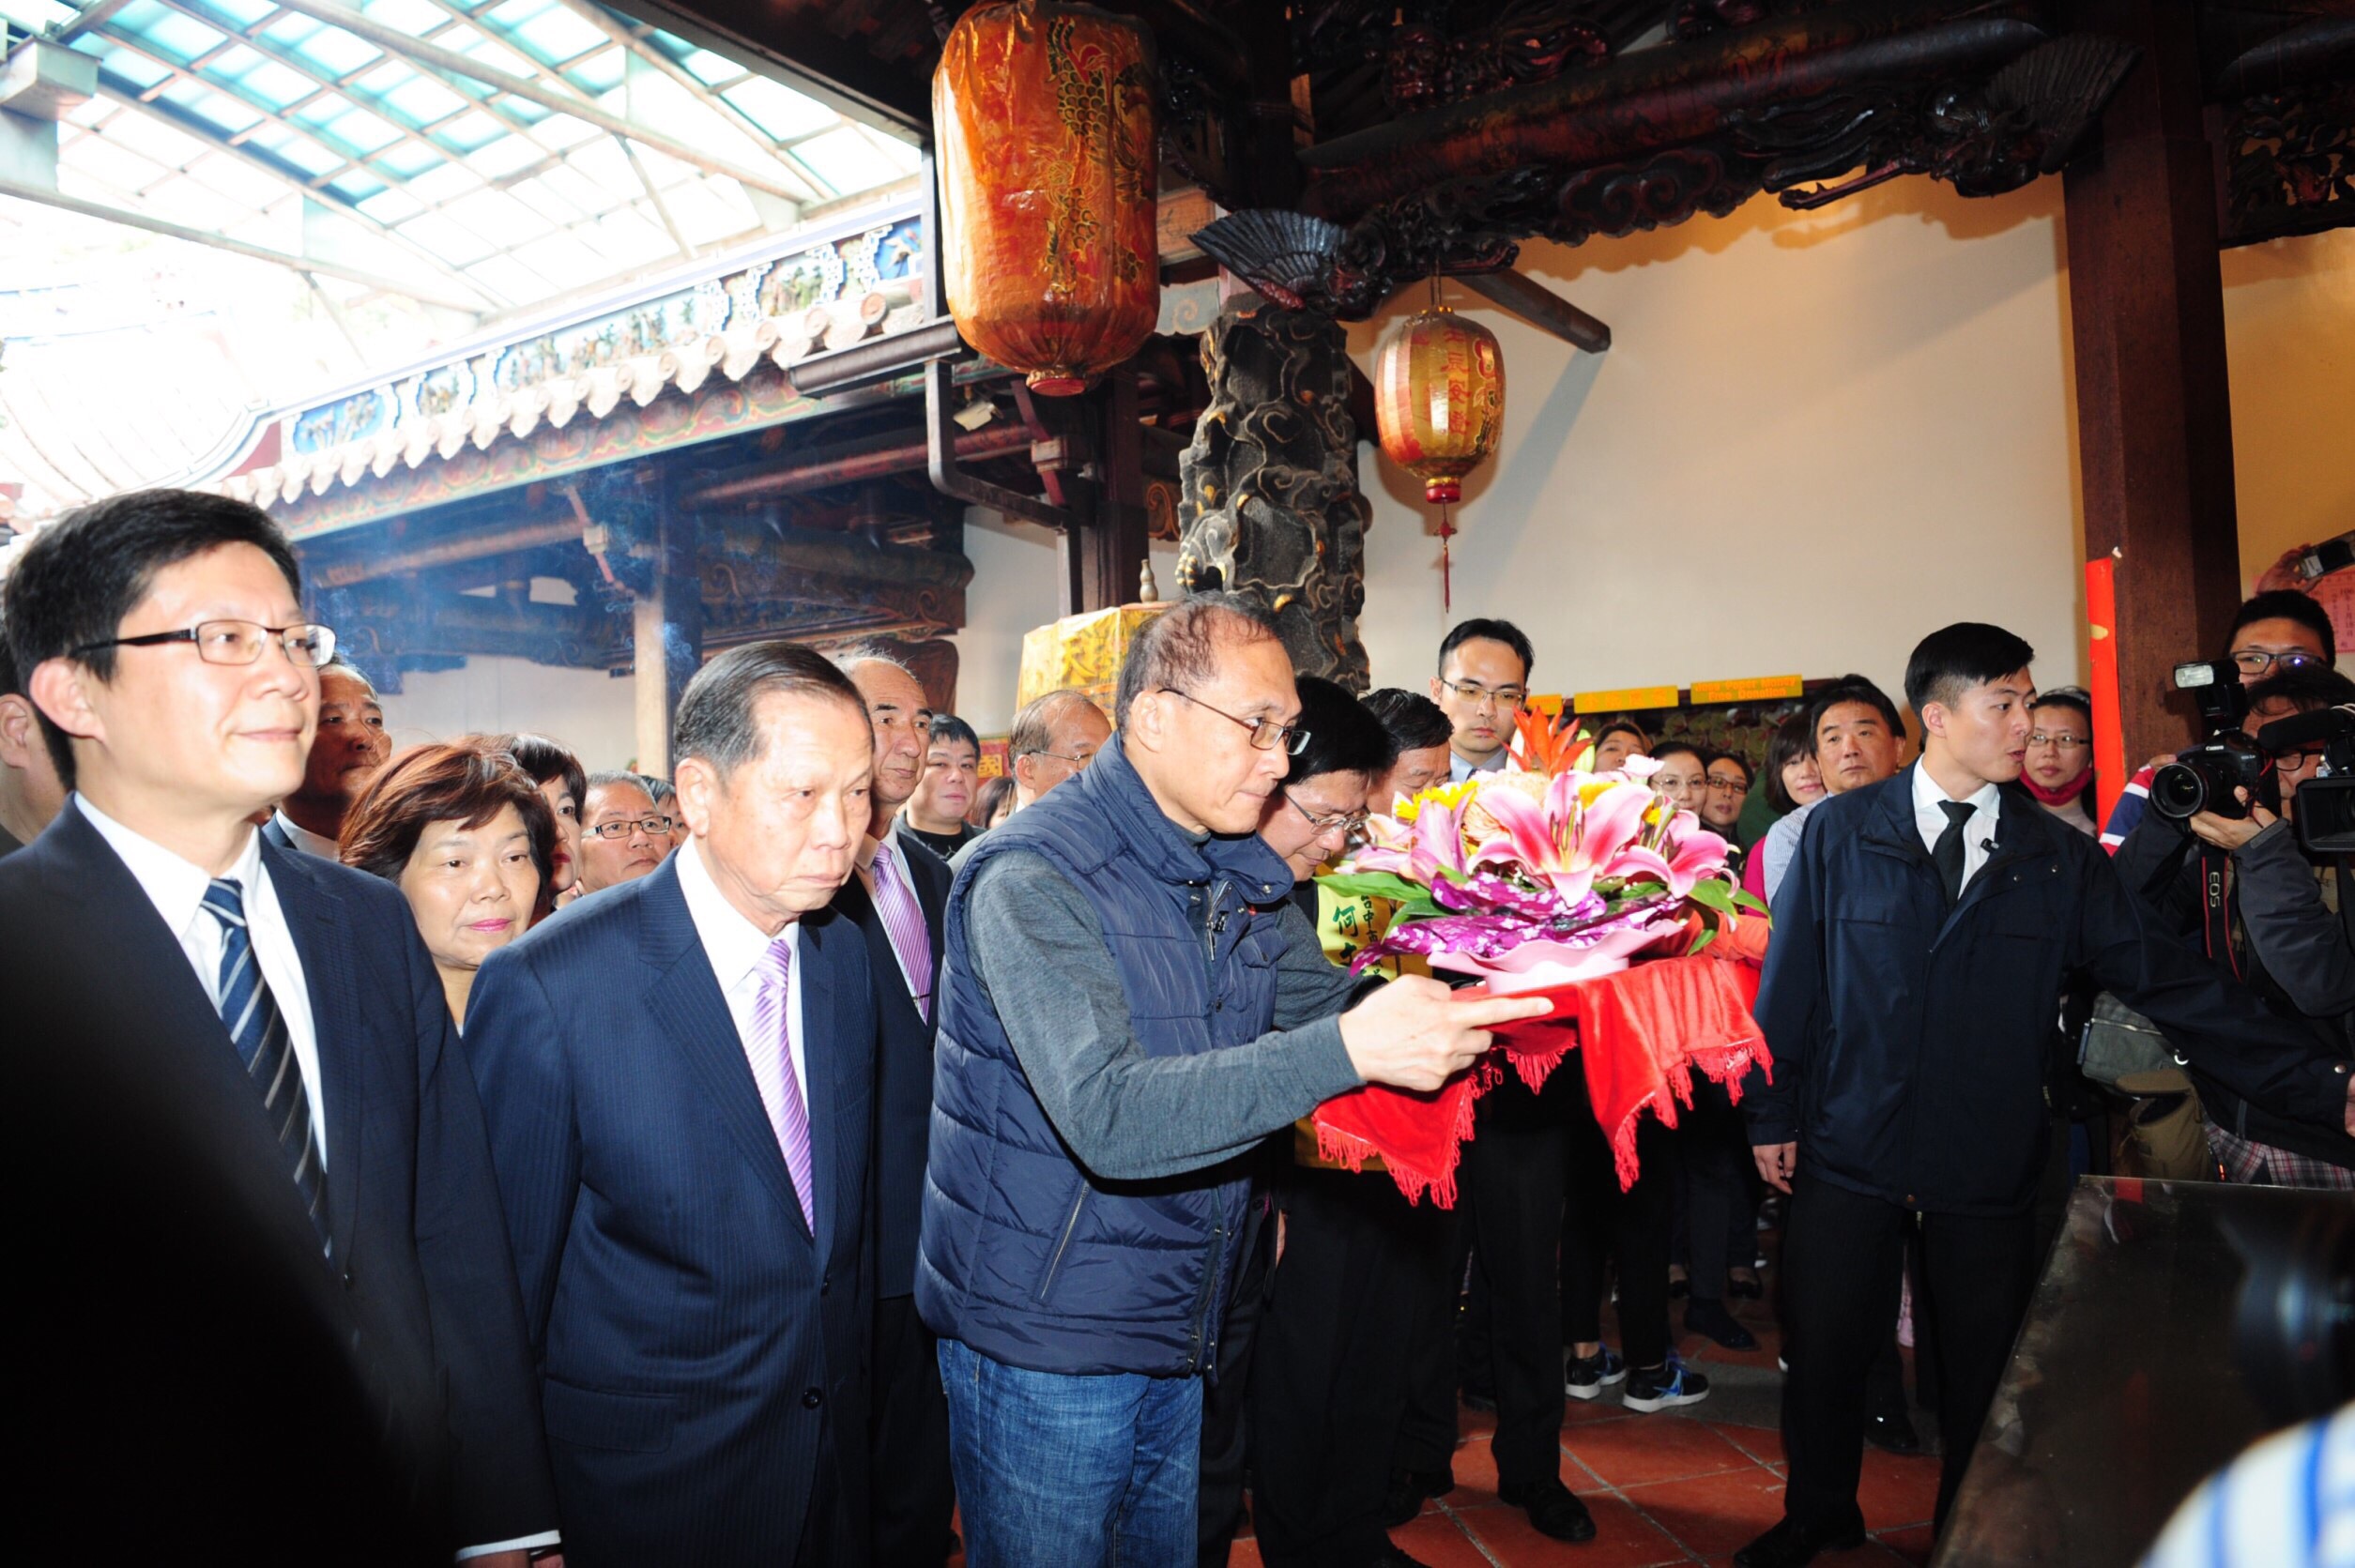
(1640, 1029)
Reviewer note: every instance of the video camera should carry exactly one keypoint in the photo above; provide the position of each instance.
(2203, 778)
(2325, 802)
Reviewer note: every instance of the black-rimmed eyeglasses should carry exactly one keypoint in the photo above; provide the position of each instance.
(1266, 734)
(307, 644)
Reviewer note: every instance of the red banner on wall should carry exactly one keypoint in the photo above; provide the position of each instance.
(2109, 735)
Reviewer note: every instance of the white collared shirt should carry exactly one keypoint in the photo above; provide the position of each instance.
(177, 888)
(1978, 833)
(305, 840)
(734, 948)
(1459, 769)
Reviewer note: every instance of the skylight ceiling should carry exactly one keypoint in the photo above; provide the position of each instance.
(491, 153)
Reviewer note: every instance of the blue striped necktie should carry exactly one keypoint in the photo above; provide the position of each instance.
(259, 1032)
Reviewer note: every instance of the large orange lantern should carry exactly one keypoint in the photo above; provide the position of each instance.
(1044, 117)
(1439, 399)
(1439, 406)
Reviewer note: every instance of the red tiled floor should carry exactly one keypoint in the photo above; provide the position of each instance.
(1623, 1539)
(1437, 1540)
(1896, 1492)
(1654, 1448)
(1762, 1444)
(1912, 1543)
(1244, 1554)
(1475, 1475)
(1712, 1514)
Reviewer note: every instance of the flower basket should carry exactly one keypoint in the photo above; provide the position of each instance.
(1585, 887)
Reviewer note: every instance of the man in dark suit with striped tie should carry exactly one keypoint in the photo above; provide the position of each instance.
(897, 899)
(679, 1076)
(267, 1033)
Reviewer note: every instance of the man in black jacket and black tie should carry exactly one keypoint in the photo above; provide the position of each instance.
(1920, 940)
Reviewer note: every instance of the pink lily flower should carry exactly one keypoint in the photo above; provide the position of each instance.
(1560, 843)
(1695, 854)
(1433, 842)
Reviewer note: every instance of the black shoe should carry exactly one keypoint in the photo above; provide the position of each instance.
(1711, 1318)
(1407, 1490)
(1893, 1432)
(1390, 1557)
(1745, 1287)
(1792, 1545)
(1553, 1509)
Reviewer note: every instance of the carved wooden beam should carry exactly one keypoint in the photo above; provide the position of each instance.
(1651, 99)
(1540, 306)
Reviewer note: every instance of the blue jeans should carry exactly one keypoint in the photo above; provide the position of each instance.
(1061, 1472)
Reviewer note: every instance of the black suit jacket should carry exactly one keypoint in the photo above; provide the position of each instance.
(703, 1356)
(420, 1296)
(903, 1067)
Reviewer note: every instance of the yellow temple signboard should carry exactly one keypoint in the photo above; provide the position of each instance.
(1632, 699)
(1757, 688)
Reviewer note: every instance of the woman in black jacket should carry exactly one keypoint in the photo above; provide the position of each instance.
(2285, 938)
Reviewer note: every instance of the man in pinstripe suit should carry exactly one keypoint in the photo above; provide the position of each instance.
(679, 1080)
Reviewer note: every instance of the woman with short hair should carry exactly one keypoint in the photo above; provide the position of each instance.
(469, 839)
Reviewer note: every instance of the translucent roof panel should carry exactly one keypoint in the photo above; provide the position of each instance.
(492, 155)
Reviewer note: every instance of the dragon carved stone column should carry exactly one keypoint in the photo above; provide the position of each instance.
(1271, 509)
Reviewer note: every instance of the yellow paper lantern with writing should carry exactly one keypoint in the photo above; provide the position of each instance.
(1439, 399)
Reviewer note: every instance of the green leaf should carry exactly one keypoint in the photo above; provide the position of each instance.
(1412, 898)
(1710, 893)
(1751, 904)
(1709, 934)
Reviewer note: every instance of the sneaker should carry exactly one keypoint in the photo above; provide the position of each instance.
(1663, 1387)
(1586, 1377)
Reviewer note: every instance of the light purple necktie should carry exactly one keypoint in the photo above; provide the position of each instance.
(780, 1090)
(903, 922)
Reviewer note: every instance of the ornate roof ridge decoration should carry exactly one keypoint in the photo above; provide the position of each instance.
(1976, 93)
(801, 297)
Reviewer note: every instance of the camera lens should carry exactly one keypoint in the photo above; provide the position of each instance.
(2179, 791)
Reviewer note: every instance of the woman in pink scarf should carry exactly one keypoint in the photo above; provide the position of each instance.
(2060, 771)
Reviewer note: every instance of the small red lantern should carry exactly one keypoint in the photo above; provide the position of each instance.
(1044, 117)
(1439, 406)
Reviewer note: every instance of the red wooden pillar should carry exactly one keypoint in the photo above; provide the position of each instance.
(2154, 418)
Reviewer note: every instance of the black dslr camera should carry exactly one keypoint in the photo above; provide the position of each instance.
(2203, 779)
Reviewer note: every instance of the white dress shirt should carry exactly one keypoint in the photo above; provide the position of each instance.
(177, 888)
(305, 840)
(1979, 833)
(735, 947)
(1459, 769)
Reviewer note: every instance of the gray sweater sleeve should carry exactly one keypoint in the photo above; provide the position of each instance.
(1040, 954)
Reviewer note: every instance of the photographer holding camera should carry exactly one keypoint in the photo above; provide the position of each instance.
(2274, 632)
(2267, 912)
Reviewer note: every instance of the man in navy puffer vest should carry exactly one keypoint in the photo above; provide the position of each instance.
(1122, 1017)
